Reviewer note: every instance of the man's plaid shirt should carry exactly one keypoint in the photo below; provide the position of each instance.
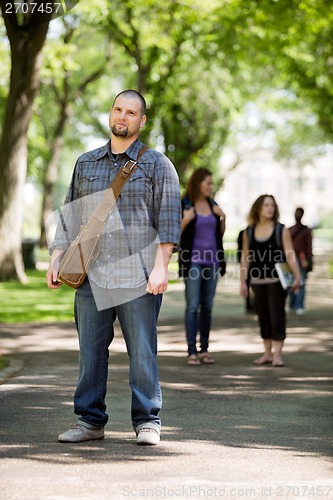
(148, 212)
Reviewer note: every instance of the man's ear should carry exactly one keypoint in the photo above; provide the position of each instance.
(143, 120)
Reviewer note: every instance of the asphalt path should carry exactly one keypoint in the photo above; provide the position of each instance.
(230, 430)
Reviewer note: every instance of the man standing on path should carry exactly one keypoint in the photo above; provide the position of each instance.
(302, 242)
(127, 280)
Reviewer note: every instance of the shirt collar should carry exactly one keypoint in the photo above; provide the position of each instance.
(102, 151)
(132, 151)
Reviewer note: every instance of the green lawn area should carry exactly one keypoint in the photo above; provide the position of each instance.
(3, 362)
(34, 302)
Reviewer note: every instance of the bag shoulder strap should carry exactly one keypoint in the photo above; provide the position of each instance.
(127, 170)
(186, 203)
(278, 233)
(113, 191)
(250, 233)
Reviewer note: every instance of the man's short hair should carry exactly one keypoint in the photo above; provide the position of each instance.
(137, 95)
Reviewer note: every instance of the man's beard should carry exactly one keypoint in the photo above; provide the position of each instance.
(119, 132)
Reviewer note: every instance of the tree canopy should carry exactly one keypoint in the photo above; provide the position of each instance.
(201, 66)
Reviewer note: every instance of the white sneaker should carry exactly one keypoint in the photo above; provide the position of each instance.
(80, 433)
(148, 435)
(300, 312)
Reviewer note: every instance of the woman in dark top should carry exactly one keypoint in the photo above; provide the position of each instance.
(201, 260)
(262, 248)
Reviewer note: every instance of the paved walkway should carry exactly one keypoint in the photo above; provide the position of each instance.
(230, 430)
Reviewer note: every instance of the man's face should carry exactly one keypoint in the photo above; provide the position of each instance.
(125, 117)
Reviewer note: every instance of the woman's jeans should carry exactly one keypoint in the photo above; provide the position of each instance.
(138, 320)
(200, 286)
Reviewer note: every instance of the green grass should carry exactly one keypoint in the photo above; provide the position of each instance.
(323, 233)
(34, 302)
(3, 362)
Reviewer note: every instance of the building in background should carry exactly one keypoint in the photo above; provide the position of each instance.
(309, 186)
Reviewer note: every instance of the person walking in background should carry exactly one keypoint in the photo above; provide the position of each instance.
(302, 241)
(148, 216)
(266, 242)
(201, 260)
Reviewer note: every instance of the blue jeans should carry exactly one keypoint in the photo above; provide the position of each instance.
(138, 320)
(296, 300)
(200, 286)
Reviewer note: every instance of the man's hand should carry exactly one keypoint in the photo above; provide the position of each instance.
(52, 271)
(158, 280)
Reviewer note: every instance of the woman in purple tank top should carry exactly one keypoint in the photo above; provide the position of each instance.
(201, 260)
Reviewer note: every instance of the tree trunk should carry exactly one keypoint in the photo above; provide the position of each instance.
(14, 157)
(26, 43)
(51, 173)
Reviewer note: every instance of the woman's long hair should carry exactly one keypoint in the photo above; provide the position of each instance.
(254, 214)
(193, 186)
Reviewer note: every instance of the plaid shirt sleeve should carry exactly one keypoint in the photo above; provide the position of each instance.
(167, 205)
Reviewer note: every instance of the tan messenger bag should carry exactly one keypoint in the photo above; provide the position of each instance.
(84, 250)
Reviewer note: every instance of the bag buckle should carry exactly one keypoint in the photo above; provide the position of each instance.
(127, 170)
